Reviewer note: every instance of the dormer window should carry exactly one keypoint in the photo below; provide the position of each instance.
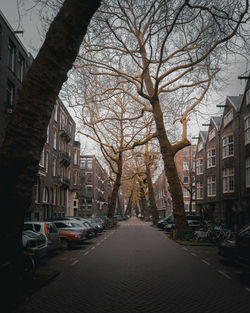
(200, 146)
(228, 117)
(211, 134)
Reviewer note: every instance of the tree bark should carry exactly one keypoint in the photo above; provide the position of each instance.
(170, 169)
(143, 201)
(26, 133)
(151, 196)
(117, 184)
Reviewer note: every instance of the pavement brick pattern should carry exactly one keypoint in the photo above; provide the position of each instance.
(137, 269)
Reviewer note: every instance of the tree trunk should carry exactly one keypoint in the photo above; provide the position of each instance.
(144, 202)
(26, 133)
(151, 196)
(117, 184)
(129, 205)
(170, 169)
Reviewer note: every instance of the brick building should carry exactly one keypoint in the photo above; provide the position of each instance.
(223, 164)
(96, 187)
(14, 62)
(56, 187)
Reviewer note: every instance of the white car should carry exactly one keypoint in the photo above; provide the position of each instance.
(49, 230)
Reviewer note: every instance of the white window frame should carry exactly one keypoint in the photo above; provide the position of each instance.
(185, 166)
(42, 158)
(227, 145)
(211, 186)
(228, 117)
(211, 134)
(199, 166)
(228, 180)
(211, 158)
(54, 138)
(199, 190)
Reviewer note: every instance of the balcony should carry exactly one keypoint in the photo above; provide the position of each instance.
(63, 182)
(65, 133)
(64, 158)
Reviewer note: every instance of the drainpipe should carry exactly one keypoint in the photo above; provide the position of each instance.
(220, 174)
(239, 168)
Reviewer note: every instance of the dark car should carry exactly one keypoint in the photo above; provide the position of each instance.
(164, 221)
(238, 247)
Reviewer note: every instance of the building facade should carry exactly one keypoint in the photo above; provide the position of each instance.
(96, 188)
(222, 168)
(56, 186)
(14, 62)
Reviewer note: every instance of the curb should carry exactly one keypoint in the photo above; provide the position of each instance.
(196, 243)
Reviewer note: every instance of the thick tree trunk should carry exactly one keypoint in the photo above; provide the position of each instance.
(170, 169)
(144, 201)
(26, 132)
(117, 184)
(151, 196)
(129, 205)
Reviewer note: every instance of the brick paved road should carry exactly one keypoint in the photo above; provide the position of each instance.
(137, 269)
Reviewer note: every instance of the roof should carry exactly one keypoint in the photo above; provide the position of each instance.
(235, 101)
(217, 121)
(203, 135)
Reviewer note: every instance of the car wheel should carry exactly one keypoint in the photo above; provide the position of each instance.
(64, 244)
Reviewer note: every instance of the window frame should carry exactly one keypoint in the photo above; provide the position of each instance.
(211, 158)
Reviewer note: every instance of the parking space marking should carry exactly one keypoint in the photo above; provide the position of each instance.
(75, 262)
(98, 244)
(92, 248)
(184, 248)
(206, 262)
(247, 289)
(86, 253)
(193, 254)
(225, 274)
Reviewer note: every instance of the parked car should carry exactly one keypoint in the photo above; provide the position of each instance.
(237, 248)
(49, 230)
(164, 221)
(71, 232)
(170, 225)
(35, 242)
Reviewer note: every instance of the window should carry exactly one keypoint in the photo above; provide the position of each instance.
(211, 158)
(42, 159)
(211, 186)
(10, 95)
(248, 172)
(75, 178)
(56, 112)
(47, 163)
(227, 146)
(54, 138)
(20, 67)
(11, 56)
(228, 179)
(185, 193)
(199, 166)
(89, 191)
(45, 195)
(89, 165)
(200, 146)
(199, 190)
(228, 117)
(247, 130)
(82, 164)
(47, 140)
(89, 179)
(211, 134)
(54, 167)
(185, 166)
(75, 157)
(185, 179)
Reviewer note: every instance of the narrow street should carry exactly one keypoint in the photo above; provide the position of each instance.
(137, 268)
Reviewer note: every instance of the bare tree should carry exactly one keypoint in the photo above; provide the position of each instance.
(165, 55)
(26, 132)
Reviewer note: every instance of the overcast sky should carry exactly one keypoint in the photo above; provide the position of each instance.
(29, 23)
